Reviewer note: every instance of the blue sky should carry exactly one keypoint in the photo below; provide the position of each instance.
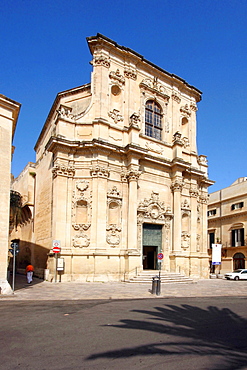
(44, 51)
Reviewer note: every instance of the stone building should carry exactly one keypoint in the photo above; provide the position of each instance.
(9, 111)
(227, 225)
(117, 177)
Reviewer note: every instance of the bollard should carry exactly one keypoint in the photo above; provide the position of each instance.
(154, 285)
(158, 286)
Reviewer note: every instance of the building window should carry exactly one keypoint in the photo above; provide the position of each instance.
(237, 237)
(211, 239)
(237, 205)
(153, 118)
(212, 212)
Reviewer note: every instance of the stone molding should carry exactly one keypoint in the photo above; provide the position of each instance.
(177, 185)
(176, 97)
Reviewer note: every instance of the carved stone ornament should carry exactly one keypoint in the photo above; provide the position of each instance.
(185, 240)
(81, 241)
(198, 237)
(185, 111)
(102, 61)
(194, 192)
(114, 193)
(116, 77)
(130, 73)
(185, 142)
(112, 237)
(177, 185)
(185, 205)
(176, 97)
(153, 210)
(193, 107)
(82, 185)
(202, 160)
(99, 171)
(155, 87)
(132, 175)
(115, 115)
(177, 139)
(62, 170)
(66, 113)
(204, 198)
(81, 227)
(134, 120)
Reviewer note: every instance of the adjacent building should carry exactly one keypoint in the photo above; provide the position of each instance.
(9, 111)
(227, 225)
(117, 178)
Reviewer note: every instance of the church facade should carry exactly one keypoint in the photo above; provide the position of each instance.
(117, 179)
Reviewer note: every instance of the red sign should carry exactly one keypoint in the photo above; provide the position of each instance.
(160, 256)
(56, 250)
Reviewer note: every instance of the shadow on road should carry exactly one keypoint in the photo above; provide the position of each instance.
(189, 330)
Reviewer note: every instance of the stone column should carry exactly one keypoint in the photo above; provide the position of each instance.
(176, 188)
(193, 229)
(204, 201)
(132, 209)
(100, 175)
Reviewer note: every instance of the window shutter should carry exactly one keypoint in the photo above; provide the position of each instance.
(233, 238)
(242, 236)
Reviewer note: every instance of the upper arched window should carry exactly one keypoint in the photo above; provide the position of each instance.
(153, 117)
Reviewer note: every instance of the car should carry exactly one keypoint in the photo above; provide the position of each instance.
(239, 274)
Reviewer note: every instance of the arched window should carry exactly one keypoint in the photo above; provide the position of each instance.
(153, 117)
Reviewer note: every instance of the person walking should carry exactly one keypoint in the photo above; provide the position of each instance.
(29, 272)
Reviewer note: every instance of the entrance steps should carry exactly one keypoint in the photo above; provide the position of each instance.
(146, 276)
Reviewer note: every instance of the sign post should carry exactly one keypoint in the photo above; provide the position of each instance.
(56, 248)
(14, 250)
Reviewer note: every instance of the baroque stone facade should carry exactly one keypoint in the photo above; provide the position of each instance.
(9, 111)
(117, 175)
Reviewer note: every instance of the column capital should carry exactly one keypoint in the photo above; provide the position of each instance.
(177, 185)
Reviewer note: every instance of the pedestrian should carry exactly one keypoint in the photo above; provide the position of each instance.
(29, 272)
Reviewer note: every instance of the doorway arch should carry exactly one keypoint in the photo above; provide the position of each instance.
(238, 261)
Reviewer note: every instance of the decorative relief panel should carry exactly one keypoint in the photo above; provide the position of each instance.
(153, 210)
(117, 78)
(114, 216)
(62, 170)
(66, 112)
(115, 115)
(185, 240)
(81, 214)
(153, 147)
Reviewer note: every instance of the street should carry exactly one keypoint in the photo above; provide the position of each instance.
(165, 333)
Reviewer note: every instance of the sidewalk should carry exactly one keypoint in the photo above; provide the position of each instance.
(43, 290)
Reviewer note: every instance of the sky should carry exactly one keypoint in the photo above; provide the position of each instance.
(44, 51)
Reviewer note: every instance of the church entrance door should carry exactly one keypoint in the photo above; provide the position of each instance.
(152, 243)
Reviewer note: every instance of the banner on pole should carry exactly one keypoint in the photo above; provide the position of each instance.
(216, 254)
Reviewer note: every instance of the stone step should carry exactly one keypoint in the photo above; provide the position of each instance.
(147, 277)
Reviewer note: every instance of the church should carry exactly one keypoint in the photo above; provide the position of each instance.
(117, 180)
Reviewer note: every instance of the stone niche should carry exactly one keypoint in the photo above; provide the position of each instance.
(114, 217)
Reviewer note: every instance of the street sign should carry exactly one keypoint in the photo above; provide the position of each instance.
(56, 248)
(160, 256)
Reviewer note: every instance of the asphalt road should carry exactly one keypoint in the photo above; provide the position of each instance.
(170, 333)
